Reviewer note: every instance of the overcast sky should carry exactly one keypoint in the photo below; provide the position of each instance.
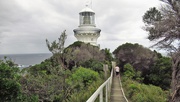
(25, 24)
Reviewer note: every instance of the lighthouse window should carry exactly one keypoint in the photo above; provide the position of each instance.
(87, 18)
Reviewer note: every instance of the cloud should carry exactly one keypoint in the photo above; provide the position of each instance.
(25, 24)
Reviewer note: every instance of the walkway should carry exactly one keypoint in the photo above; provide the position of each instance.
(116, 92)
(111, 90)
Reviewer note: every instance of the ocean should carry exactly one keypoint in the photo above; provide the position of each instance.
(25, 60)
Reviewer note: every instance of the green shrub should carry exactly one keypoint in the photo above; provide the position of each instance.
(84, 94)
(160, 73)
(129, 72)
(83, 77)
(137, 92)
(10, 88)
(83, 83)
(28, 98)
(94, 65)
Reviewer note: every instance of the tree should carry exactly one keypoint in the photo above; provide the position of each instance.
(79, 52)
(152, 16)
(10, 88)
(108, 55)
(57, 48)
(166, 32)
(47, 87)
(137, 55)
(160, 73)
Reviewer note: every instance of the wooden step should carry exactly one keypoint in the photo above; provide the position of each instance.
(116, 92)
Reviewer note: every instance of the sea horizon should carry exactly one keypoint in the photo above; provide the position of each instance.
(28, 59)
(24, 53)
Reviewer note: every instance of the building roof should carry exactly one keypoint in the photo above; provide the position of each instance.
(87, 9)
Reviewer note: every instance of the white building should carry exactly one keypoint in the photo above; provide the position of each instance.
(87, 31)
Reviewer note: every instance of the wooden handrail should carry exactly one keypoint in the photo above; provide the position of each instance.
(99, 92)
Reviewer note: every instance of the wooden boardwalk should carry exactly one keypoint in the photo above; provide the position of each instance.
(116, 92)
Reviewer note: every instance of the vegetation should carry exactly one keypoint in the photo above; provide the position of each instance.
(47, 87)
(79, 52)
(59, 78)
(53, 87)
(151, 66)
(163, 27)
(130, 73)
(94, 65)
(138, 92)
(83, 82)
(75, 72)
(10, 88)
(83, 76)
(146, 73)
(57, 49)
(139, 57)
(52, 81)
(160, 73)
(72, 74)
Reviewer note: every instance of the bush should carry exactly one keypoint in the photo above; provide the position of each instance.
(83, 83)
(160, 73)
(129, 71)
(94, 65)
(46, 65)
(137, 92)
(47, 84)
(83, 77)
(10, 88)
(84, 94)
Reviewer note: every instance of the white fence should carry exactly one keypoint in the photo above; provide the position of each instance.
(99, 92)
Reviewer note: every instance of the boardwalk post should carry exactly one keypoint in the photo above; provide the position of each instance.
(106, 92)
(101, 96)
(105, 68)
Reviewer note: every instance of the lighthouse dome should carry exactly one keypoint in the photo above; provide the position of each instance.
(87, 9)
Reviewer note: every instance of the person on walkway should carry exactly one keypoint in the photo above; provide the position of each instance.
(117, 71)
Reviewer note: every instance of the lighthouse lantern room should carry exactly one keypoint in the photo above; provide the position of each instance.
(87, 31)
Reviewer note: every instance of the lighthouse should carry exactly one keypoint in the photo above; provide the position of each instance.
(87, 31)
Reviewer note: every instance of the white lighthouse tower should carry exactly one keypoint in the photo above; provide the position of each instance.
(87, 31)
